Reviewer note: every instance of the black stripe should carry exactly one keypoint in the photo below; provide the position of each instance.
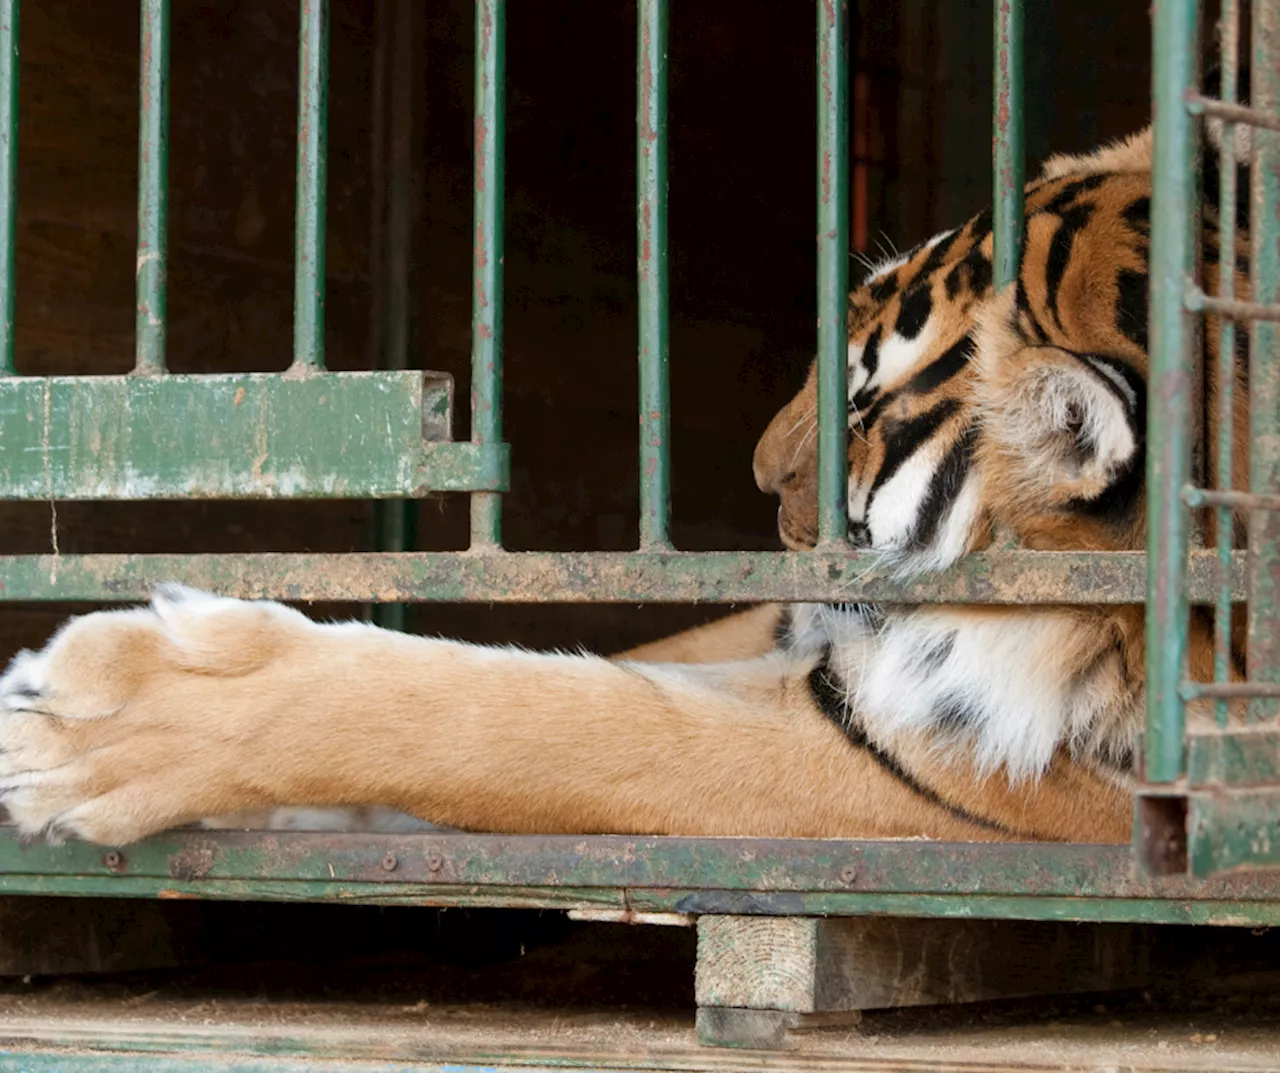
(944, 486)
(1062, 201)
(829, 696)
(782, 627)
(905, 439)
(1073, 221)
(942, 368)
(938, 253)
(870, 361)
(1137, 214)
(1131, 305)
(913, 311)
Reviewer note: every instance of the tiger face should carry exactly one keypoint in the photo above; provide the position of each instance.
(977, 417)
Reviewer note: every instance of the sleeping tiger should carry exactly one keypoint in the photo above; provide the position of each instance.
(973, 417)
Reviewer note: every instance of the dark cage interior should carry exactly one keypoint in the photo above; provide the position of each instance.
(742, 277)
(742, 331)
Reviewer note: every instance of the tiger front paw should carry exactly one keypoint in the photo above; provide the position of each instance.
(130, 722)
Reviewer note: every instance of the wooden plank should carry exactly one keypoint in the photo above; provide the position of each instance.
(795, 965)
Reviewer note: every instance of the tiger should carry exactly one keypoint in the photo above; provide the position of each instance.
(977, 417)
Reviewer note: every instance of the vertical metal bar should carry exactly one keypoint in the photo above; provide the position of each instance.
(394, 520)
(1264, 363)
(1007, 141)
(10, 11)
(1175, 29)
(309, 231)
(153, 188)
(833, 271)
(1229, 36)
(651, 234)
(486, 308)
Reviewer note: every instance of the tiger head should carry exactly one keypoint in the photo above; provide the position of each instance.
(978, 418)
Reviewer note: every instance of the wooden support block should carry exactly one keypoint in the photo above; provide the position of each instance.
(808, 966)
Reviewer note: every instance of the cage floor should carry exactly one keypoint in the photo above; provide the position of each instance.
(173, 1022)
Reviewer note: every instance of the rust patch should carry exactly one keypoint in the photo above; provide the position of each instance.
(194, 862)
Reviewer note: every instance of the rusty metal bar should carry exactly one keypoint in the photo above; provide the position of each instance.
(776, 871)
(651, 228)
(487, 293)
(1010, 578)
(1263, 662)
(1225, 374)
(1199, 302)
(153, 188)
(1007, 141)
(10, 12)
(1224, 691)
(833, 272)
(1203, 497)
(309, 238)
(1227, 110)
(1169, 419)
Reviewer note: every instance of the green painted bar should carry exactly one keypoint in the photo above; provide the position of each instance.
(651, 240)
(1007, 141)
(10, 12)
(1240, 757)
(235, 436)
(1175, 29)
(1236, 830)
(487, 291)
(1010, 578)
(153, 188)
(1229, 47)
(1263, 662)
(451, 862)
(309, 235)
(833, 272)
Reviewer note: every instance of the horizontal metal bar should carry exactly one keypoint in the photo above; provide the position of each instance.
(1017, 578)
(237, 436)
(1206, 497)
(1233, 829)
(211, 860)
(1231, 113)
(1237, 755)
(1199, 302)
(1228, 690)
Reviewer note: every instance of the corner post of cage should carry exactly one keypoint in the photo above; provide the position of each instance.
(652, 274)
(487, 254)
(1225, 373)
(1007, 141)
(309, 236)
(1264, 363)
(153, 188)
(833, 271)
(10, 17)
(1175, 25)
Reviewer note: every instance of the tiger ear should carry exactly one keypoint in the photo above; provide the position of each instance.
(1061, 419)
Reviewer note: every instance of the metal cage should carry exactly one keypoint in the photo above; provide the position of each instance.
(1210, 800)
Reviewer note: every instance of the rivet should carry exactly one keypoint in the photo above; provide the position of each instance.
(389, 862)
(435, 862)
(848, 874)
(112, 859)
